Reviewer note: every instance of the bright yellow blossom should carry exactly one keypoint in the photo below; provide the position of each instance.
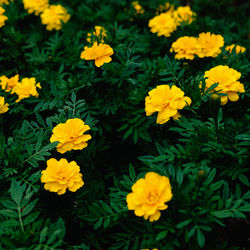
(227, 79)
(70, 135)
(100, 53)
(3, 18)
(98, 34)
(36, 6)
(26, 88)
(184, 14)
(238, 49)
(185, 47)
(4, 2)
(149, 195)
(53, 17)
(8, 84)
(61, 175)
(209, 45)
(3, 106)
(139, 9)
(166, 101)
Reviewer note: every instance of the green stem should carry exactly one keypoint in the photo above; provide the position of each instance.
(20, 218)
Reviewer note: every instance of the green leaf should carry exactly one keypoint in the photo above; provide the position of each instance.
(43, 235)
(132, 172)
(200, 238)
(16, 192)
(161, 235)
(98, 224)
(183, 223)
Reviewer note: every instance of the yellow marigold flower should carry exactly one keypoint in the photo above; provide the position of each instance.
(238, 49)
(26, 88)
(8, 84)
(53, 17)
(163, 24)
(210, 44)
(227, 79)
(149, 195)
(139, 9)
(184, 14)
(3, 18)
(4, 2)
(36, 6)
(98, 34)
(185, 47)
(61, 175)
(166, 101)
(99, 52)
(70, 135)
(3, 106)
(165, 8)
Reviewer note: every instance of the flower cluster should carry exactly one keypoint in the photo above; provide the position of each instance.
(238, 49)
(36, 6)
(3, 18)
(166, 23)
(70, 135)
(139, 9)
(149, 195)
(61, 175)
(98, 34)
(227, 79)
(100, 53)
(206, 45)
(3, 105)
(166, 101)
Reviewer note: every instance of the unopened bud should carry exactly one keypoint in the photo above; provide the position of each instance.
(214, 103)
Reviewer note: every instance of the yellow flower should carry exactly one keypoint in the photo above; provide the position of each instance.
(98, 34)
(53, 17)
(166, 101)
(61, 175)
(165, 8)
(70, 135)
(8, 84)
(99, 52)
(185, 47)
(238, 49)
(227, 79)
(184, 14)
(149, 195)
(139, 9)
(3, 18)
(26, 88)
(210, 44)
(36, 6)
(163, 24)
(4, 2)
(3, 106)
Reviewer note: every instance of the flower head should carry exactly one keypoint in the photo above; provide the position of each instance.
(26, 88)
(139, 9)
(185, 47)
(149, 195)
(163, 24)
(184, 14)
(3, 105)
(53, 17)
(166, 101)
(99, 52)
(98, 34)
(70, 135)
(36, 6)
(209, 45)
(238, 49)
(8, 84)
(3, 18)
(61, 175)
(227, 79)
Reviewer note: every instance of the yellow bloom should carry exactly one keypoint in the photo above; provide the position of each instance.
(163, 24)
(61, 175)
(166, 101)
(70, 135)
(36, 6)
(4, 2)
(210, 44)
(227, 79)
(238, 49)
(99, 52)
(165, 8)
(3, 18)
(8, 84)
(184, 14)
(53, 17)
(26, 88)
(98, 34)
(185, 47)
(3, 106)
(139, 9)
(149, 195)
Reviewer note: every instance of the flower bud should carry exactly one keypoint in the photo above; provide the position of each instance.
(214, 103)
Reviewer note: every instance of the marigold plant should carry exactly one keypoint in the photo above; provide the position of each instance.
(61, 175)
(36, 6)
(166, 101)
(99, 33)
(238, 49)
(70, 135)
(3, 105)
(227, 79)
(8, 84)
(3, 18)
(54, 16)
(100, 53)
(149, 196)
